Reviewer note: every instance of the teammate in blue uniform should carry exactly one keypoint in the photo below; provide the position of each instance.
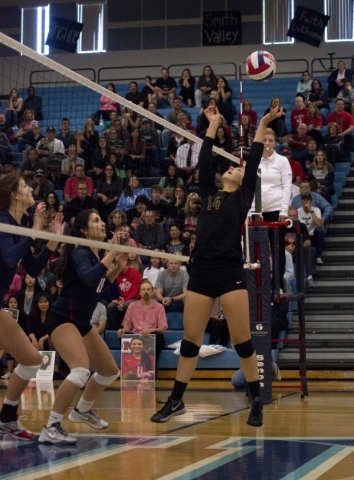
(217, 268)
(84, 276)
(15, 198)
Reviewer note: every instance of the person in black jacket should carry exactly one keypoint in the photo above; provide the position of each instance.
(336, 80)
(217, 268)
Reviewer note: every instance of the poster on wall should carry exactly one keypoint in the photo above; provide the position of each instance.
(308, 26)
(63, 34)
(222, 28)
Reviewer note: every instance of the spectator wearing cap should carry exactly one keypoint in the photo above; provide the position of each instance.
(49, 145)
(298, 142)
(134, 95)
(296, 168)
(317, 201)
(82, 201)
(151, 138)
(66, 135)
(311, 217)
(41, 186)
(33, 102)
(31, 164)
(71, 184)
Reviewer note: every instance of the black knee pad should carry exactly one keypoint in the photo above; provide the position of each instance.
(245, 350)
(189, 349)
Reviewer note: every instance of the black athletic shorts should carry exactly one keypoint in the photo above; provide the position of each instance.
(215, 278)
(54, 320)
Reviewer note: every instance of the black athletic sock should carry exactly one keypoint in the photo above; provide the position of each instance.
(178, 390)
(8, 413)
(254, 389)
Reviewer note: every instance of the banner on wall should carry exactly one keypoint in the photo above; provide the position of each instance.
(308, 26)
(63, 34)
(222, 28)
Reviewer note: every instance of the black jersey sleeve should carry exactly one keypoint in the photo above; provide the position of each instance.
(90, 275)
(250, 178)
(206, 174)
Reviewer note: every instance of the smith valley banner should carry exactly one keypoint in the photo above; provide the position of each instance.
(308, 26)
(63, 34)
(222, 28)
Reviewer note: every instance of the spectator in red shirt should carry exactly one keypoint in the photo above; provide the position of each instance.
(129, 281)
(346, 125)
(298, 142)
(296, 168)
(297, 115)
(247, 109)
(70, 187)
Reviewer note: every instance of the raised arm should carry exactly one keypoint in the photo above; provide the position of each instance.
(206, 174)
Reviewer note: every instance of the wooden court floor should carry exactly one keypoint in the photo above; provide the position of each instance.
(307, 439)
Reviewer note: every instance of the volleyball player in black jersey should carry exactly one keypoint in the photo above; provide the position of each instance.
(217, 268)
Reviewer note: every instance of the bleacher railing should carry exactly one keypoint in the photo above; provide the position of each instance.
(319, 64)
(115, 73)
(229, 73)
(90, 75)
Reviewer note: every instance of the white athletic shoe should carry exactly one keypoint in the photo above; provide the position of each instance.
(6, 376)
(55, 434)
(90, 418)
(276, 375)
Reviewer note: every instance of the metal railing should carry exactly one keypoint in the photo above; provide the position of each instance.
(45, 80)
(233, 74)
(147, 70)
(328, 60)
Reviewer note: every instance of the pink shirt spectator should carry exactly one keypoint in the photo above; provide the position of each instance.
(138, 317)
(108, 104)
(26, 126)
(70, 187)
(14, 287)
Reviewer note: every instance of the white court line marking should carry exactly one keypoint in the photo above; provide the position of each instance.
(328, 464)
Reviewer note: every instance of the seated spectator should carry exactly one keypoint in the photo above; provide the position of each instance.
(175, 140)
(135, 216)
(81, 201)
(6, 166)
(179, 198)
(34, 103)
(217, 327)
(313, 121)
(245, 139)
(132, 190)
(247, 110)
(304, 85)
(295, 167)
(116, 220)
(309, 253)
(53, 205)
(4, 127)
(122, 133)
(41, 186)
(298, 142)
(148, 91)
(69, 163)
(193, 184)
(31, 164)
(278, 125)
(175, 245)
(11, 302)
(71, 184)
(120, 161)
(170, 182)
(99, 160)
(150, 137)
(177, 108)
(13, 288)
(319, 96)
(128, 280)
(317, 201)
(345, 122)
(337, 78)
(187, 83)
(225, 110)
(33, 137)
(14, 108)
(25, 130)
(65, 135)
(134, 95)
(307, 159)
(311, 217)
(297, 115)
(165, 89)
(171, 287)
(130, 120)
(5, 147)
(187, 218)
(29, 291)
(187, 158)
(46, 279)
(225, 104)
(206, 82)
(158, 205)
(334, 144)
(125, 237)
(149, 235)
(182, 118)
(135, 148)
(112, 141)
(109, 123)
(109, 189)
(223, 137)
(92, 138)
(83, 147)
(107, 104)
(99, 318)
(146, 317)
(151, 272)
(347, 95)
(152, 109)
(323, 172)
(49, 146)
(135, 262)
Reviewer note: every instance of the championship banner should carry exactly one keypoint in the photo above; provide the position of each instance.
(222, 28)
(63, 34)
(308, 26)
(260, 298)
